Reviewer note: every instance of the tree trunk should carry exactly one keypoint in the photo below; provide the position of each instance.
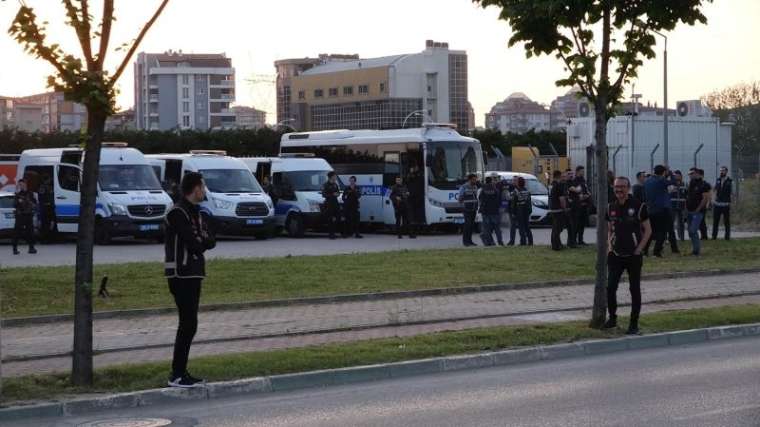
(599, 312)
(81, 370)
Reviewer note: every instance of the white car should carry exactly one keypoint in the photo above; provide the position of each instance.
(7, 217)
(538, 191)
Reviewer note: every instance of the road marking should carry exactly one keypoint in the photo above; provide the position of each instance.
(717, 412)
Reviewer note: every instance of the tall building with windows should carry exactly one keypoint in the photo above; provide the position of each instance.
(49, 112)
(347, 92)
(518, 114)
(175, 90)
(249, 117)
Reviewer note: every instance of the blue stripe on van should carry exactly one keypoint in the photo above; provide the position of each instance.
(71, 210)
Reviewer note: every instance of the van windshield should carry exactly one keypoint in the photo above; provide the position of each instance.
(6, 202)
(230, 181)
(127, 178)
(306, 180)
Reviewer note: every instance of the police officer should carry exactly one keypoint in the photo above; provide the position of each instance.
(351, 196)
(510, 189)
(401, 207)
(638, 188)
(627, 217)
(678, 203)
(521, 199)
(572, 206)
(490, 200)
(581, 203)
(187, 238)
(47, 208)
(266, 185)
(330, 192)
(24, 205)
(557, 207)
(697, 198)
(468, 197)
(722, 204)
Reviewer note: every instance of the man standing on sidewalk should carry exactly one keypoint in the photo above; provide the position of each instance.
(580, 207)
(558, 206)
(468, 197)
(658, 205)
(678, 203)
(187, 238)
(722, 204)
(24, 205)
(627, 217)
(697, 199)
(351, 196)
(490, 200)
(330, 192)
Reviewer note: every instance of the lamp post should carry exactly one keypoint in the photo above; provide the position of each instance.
(665, 96)
(282, 123)
(635, 98)
(413, 113)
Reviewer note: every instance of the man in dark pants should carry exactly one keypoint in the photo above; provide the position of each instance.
(678, 203)
(638, 188)
(658, 207)
(468, 197)
(703, 224)
(722, 204)
(46, 208)
(187, 238)
(490, 199)
(510, 188)
(627, 217)
(24, 205)
(524, 207)
(697, 198)
(570, 211)
(401, 208)
(266, 185)
(557, 207)
(581, 201)
(351, 196)
(330, 192)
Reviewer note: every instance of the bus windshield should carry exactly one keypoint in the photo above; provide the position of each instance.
(230, 181)
(451, 162)
(127, 178)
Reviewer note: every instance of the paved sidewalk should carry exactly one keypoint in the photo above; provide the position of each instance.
(286, 326)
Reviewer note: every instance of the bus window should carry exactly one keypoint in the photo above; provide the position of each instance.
(392, 168)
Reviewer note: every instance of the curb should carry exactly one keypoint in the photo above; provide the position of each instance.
(99, 315)
(360, 374)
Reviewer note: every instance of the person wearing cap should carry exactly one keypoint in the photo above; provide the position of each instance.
(468, 197)
(697, 198)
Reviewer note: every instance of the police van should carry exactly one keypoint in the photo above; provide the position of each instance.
(130, 200)
(7, 214)
(297, 181)
(235, 202)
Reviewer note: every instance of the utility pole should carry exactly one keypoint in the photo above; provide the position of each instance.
(665, 96)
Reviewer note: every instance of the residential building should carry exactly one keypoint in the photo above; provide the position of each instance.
(347, 92)
(121, 121)
(249, 117)
(518, 114)
(175, 90)
(6, 112)
(56, 115)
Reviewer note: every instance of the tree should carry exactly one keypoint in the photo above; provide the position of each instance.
(568, 30)
(83, 80)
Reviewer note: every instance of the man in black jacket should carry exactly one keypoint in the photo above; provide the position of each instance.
(722, 203)
(400, 199)
(351, 196)
(331, 191)
(24, 205)
(187, 238)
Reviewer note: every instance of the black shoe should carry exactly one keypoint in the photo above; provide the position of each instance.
(501, 243)
(658, 255)
(412, 237)
(582, 244)
(32, 251)
(511, 243)
(633, 329)
(15, 251)
(185, 381)
(332, 237)
(675, 251)
(611, 323)
(359, 236)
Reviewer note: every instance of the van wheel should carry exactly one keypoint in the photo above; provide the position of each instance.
(102, 237)
(294, 226)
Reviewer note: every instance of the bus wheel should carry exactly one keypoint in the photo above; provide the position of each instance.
(102, 236)
(294, 226)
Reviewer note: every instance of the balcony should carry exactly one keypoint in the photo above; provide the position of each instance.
(222, 83)
(223, 112)
(153, 97)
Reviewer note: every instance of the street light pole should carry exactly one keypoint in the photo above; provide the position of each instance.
(403, 125)
(665, 96)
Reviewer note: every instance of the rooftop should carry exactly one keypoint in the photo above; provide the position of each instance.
(336, 66)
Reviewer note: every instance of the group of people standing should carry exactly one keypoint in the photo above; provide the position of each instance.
(570, 205)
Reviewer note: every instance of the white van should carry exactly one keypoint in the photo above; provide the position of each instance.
(7, 214)
(130, 201)
(539, 195)
(235, 202)
(297, 181)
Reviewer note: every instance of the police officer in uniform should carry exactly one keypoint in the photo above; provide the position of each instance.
(722, 204)
(468, 197)
(521, 199)
(581, 203)
(401, 207)
(678, 203)
(47, 208)
(572, 206)
(628, 233)
(24, 205)
(266, 185)
(510, 190)
(557, 207)
(330, 192)
(490, 200)
(351, 196)
(187, 238)
(638, 188)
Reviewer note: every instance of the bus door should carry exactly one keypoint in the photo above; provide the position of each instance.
(391, 169)
(413, 170)
(66, 190)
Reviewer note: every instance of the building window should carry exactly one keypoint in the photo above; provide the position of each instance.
(333, 91)
(199, 105)
(363, 89)
(382, 87)
(319, 93)
(185, 107)
(301, 94)
(185, 79)
(348, 90)
(186, 121)
(185, 92)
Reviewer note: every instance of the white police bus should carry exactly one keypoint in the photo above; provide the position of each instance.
(434, 162)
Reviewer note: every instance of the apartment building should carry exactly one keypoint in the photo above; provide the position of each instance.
(348, 92)
(175, 90)
(249, 117)
(518, 114)
(49, 112)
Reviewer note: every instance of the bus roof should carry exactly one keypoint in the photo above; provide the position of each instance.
(391, 136)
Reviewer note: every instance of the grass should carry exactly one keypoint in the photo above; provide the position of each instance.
(236, 366)
(49, 290)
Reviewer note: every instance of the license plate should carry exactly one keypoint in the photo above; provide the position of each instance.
(149, 227)
(254, 221)
(458, 220)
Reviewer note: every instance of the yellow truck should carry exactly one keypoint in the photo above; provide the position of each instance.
(529, 160)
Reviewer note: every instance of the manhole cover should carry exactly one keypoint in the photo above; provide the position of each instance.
(129, 422)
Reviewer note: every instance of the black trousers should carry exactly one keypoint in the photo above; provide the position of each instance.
(469, 226)
(616, 266)
(703, 226)
(661, 225)
(23, 229)
(559, 223)
(581, 219)
(523, 222)
(187, 294)
(572, 227)
(352, 221)
(513, 226)
(403, 223)
(725, 212)
(333, 218)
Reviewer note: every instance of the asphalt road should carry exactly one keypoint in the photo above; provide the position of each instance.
(714, 384)
(136, 251)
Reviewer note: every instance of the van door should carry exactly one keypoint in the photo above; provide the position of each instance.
(67, 183)
(391, 169)
(263, 169)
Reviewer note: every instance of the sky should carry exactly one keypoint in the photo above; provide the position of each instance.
(255, 33)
